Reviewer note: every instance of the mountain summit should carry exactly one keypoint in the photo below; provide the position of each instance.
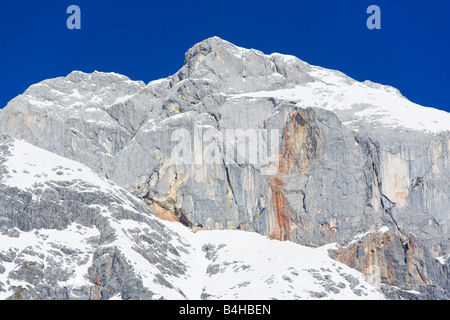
(235, 140)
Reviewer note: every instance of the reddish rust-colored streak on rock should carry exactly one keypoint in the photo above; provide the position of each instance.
(97, 285)
(286, 162)
(280, 211)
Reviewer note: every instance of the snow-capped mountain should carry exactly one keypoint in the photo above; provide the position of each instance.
(354, 158)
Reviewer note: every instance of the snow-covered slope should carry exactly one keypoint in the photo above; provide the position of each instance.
(295, 81)
(270, 269)
(90, 239)
(359, 103)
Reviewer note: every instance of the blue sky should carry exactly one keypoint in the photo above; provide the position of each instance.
(146, 40)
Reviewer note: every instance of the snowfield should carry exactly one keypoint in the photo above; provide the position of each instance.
(359, 102)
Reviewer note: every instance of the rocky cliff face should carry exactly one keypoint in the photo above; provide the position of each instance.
(66, 233)
(237, 139)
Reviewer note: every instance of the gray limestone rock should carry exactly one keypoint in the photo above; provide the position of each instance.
(343, 170)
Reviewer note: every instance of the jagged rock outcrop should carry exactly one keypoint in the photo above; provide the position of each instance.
(351, 158)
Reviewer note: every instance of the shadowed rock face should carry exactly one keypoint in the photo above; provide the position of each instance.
(343, 170)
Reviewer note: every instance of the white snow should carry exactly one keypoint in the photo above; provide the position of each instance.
(252, 266)
(366, 101)
(358, 238)
(30, 166)
(383, 229)
(443, 259)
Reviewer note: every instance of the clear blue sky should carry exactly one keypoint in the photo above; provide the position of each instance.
(147, 39)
